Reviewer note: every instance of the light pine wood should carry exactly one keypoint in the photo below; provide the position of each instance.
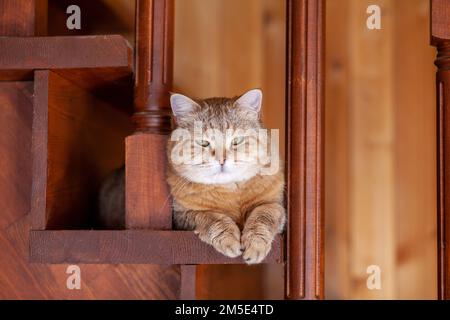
(337, 168)
(380, 178)
(370, 145)
(414, 152)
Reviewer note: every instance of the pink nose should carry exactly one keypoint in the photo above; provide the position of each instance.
(222, 162)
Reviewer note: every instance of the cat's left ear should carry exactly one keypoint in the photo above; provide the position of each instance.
(251, 99)
(182, 105)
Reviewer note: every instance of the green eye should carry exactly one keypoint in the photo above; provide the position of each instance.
(237, 141)
(202, 143)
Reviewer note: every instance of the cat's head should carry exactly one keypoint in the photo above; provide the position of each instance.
(216, 139)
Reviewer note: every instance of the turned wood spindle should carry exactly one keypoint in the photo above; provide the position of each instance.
(147, 196)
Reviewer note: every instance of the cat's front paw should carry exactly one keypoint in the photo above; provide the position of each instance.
(224, 236)
(255, 246)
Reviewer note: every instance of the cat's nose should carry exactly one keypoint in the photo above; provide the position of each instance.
(222, 161)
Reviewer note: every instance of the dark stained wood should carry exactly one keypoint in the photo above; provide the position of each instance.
(154, 64)
(440, 37)
(104, 58)
(21, 279)
(188, 282)
(77, 141)
(17, 17)
(148, 204)
(304, 265)
(15, 143)
(130, 246)
(40, 151)
(147, 198)
(440, 15)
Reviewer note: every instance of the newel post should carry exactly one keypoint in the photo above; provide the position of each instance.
(440, 37)
(147, 195)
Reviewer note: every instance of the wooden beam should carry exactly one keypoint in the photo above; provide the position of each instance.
(130, 246)
(440, 37)
(105, 57)
(304, 267)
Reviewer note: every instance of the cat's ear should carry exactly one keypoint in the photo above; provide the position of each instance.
(251, 99)
(182, 105)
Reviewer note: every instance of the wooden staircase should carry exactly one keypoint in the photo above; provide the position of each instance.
(78, 140)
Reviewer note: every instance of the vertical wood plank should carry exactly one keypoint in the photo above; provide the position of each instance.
(371, 158)
(337, 134)
(188, 282)
(39, 150)
(304, 266)
(414, 151)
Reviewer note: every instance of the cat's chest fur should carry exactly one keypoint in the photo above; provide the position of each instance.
(234, 200)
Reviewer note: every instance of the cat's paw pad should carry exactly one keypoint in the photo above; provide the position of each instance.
(255, 248)
(225, 238)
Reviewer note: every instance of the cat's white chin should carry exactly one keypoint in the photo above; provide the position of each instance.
(222, 177)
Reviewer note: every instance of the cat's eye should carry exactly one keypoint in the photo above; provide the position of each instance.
(237, 141)
(202, 143)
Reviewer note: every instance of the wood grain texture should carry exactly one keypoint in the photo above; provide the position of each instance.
(380, 150)
(188, 285)
(17, 17)
(20, 279)
(440, 15)
(414, 151)
(77, 141)
(337, 151)
(440, 23)
(371, 137)
(20, 55)
(130, 246)
(15, 134)
(148, 202)
(304, 266)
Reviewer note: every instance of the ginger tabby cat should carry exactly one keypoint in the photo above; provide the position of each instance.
(220, 187)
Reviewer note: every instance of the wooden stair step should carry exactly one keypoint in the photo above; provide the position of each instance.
(131, 246)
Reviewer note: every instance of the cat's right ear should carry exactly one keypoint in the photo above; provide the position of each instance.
(182, 105)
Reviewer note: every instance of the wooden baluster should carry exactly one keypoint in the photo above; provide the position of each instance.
(304, 266)
(440, 37)
(148, 205)
(147, 196)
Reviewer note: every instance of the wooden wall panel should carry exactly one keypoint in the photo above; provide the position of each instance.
(380, 151)
(337, 168)
(415, 152)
